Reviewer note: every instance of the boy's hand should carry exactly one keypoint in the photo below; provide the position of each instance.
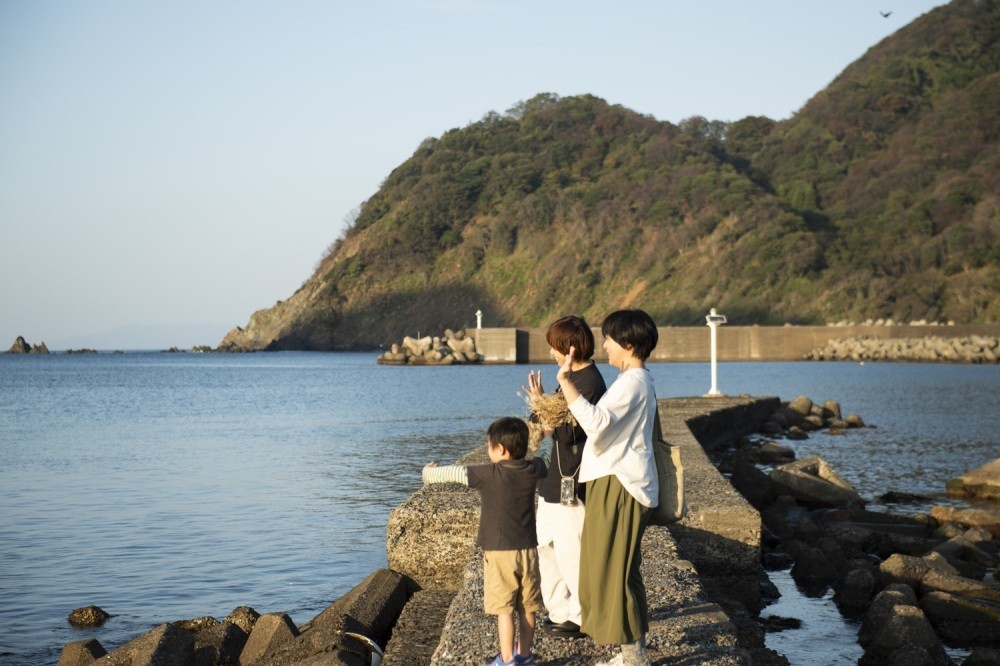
(430, 464)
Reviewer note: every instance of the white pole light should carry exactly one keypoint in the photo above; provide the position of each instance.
(714, 320)
(479, 318)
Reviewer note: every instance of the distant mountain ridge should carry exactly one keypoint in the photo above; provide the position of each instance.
(880, 198)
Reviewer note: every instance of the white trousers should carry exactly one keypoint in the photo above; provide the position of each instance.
(559, 529)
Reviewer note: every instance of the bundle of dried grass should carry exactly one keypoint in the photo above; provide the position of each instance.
(552, 411)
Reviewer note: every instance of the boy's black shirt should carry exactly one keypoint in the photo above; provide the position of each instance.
(507, 518)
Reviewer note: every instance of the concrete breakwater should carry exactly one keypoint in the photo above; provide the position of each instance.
(716, 548)
(969, 349)
(450, 348)
(735, 343)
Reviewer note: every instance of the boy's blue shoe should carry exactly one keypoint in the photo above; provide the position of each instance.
(498, 661)
(526, 660)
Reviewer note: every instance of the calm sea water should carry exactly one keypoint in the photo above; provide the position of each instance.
(164, 486)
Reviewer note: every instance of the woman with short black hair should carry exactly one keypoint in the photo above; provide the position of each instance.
(621, 486)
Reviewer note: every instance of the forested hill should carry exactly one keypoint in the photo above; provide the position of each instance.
(879, 198)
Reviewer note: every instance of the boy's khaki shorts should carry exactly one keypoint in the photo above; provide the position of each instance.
(511, 581)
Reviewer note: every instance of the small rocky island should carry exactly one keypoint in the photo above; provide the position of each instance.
(20, 346)
(448, 349)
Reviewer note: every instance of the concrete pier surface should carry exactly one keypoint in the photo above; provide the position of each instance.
(700, 574)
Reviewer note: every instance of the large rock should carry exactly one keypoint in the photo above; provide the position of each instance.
(881, 607)
(432, 535)
(855, 589)
(88, 616)
(983, 657)
(19, 347)
(963, 620)
(813, 480)
(983, 482)
(904, 630)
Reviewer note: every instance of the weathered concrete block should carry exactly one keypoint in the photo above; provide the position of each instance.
(989, 520)
(219, 645)
(936, 581)
(802, 404)
(813, 480)
(81, 653)
(963, 620)
(947, 606)
(905, 569)
(368, 610)
(166, 645)
(983, 482)
(418, 629)
(269, 632)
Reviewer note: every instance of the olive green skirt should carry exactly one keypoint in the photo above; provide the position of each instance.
(612, 596)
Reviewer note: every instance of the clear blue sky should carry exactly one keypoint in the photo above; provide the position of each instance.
(168, 168)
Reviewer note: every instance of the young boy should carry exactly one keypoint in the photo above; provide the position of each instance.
(506, 531)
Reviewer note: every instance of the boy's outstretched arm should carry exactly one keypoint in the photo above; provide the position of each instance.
(447, 474)
(544, 452)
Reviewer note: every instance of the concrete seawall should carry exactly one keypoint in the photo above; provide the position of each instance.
(735, 343)
(688, 568)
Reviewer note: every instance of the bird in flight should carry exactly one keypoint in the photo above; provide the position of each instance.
(885, 14)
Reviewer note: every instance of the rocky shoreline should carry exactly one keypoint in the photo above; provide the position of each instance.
(935, 349)
(916, 582)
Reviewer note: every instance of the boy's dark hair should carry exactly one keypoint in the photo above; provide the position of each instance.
(571, 331)
(632, 329)
(512, 434)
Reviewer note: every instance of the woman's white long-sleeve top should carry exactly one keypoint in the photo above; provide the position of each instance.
(620, 435)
